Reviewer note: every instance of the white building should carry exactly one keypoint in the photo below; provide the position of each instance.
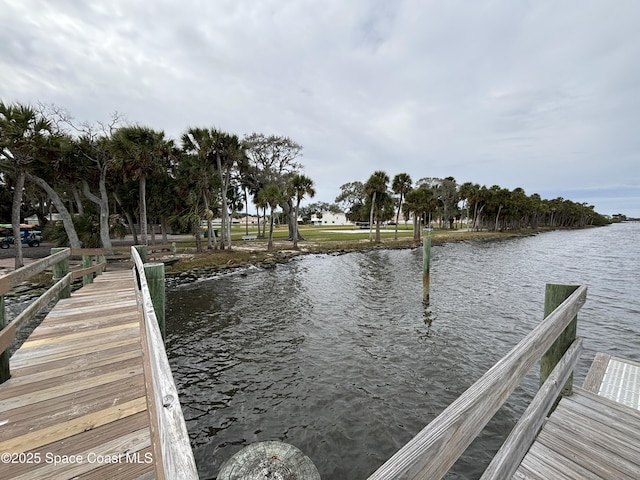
(330, 219)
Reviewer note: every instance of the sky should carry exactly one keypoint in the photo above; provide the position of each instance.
(538, 94)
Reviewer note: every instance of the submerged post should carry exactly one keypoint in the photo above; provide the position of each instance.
(154, 272)
(60, 269)
(426, 258)
(555, 294)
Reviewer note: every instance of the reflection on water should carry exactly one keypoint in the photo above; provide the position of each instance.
(339, 356)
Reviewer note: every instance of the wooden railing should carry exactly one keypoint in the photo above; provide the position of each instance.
(59, 262)
(434, 450)
(169, 436)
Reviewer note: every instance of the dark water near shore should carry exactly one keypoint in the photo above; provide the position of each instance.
(338, 356)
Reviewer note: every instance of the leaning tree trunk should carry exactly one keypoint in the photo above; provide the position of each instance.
(196, 231)
(127, 215)
(77, 200)
(15, 215)
(292, 219)
(373, 205)
(67, 220)
(103, 204)
(270, 241)
(497, 217)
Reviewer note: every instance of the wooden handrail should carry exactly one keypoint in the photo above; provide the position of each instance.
(9, 331)
(432, 452)
(170, 439)
(8, 334)
(15, 278)
(505, 463)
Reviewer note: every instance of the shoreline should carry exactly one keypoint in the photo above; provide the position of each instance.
(192, 266)
(214, 264)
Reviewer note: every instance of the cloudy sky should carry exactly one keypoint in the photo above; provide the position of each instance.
(543, 95)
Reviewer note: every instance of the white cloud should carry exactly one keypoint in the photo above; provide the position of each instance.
(542, 95)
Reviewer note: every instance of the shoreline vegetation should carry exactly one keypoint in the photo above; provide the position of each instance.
(191, 266)
(188, 265)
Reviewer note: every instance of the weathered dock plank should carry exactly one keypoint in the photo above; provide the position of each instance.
(587, 436)
(78, 391)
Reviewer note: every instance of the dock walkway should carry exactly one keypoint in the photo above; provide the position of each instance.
(593, 433)
(76, 404)
(588, 436)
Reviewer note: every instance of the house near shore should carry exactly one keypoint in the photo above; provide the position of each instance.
(329, 219)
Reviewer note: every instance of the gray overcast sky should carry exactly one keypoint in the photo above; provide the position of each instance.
(543, 95)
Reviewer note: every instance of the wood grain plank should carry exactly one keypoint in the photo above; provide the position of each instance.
(35, 396)
(559, 462)
(41, 437)
(537, 466)
(21, 420)
(594, 377)
(605, 437)
(132, 347)
(71, 338)
(70, 349)
(586, 454)
(127, 454)
(90, 440)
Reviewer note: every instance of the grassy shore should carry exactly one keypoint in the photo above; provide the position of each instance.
(317, 240)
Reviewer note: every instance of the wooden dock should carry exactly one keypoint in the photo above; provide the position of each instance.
(593, 433)
(82, 398)
(587, 436)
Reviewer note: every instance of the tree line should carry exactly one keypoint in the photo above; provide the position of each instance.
(381, 199)
(94, 174)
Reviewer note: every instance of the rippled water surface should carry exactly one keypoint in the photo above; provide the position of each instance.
(338, 356)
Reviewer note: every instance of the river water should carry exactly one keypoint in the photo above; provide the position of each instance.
(337, 355)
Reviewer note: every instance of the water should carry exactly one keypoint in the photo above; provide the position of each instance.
(338, 356)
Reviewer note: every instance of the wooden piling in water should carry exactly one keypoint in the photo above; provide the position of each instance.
(269, 459)
(555, 294)
(426, 259)
(61, 269)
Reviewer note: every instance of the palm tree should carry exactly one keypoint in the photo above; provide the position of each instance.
(271, 196)
(375, 188)
(139, 152)
(300, 185)
(419, 201)
(22, 135)
(401, 185)
(223, 151)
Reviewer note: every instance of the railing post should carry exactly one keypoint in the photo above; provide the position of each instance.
(555, 294)
(100, 259)
(142, 251)
(60, 269)
(4, 356)
(86, 263)
(154, 272)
